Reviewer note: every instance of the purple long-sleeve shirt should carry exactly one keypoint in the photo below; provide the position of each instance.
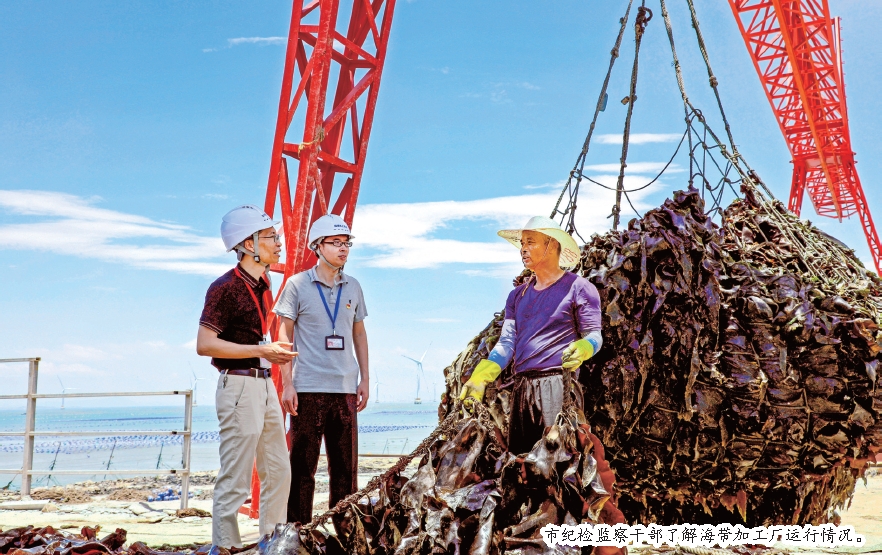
(539, 325)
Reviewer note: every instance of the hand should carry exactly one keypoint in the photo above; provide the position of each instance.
(289, 400)
(363, 392)
(485, 372)
(576, 353)
(277, 352)
(473, 390)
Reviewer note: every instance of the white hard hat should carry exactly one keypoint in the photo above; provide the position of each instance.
(327, 226)
(569, 249)
(243, 222)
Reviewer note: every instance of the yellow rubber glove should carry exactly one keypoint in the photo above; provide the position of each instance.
(577, 353)
(485, 372)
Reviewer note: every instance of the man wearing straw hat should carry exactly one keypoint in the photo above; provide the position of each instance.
(551, 326)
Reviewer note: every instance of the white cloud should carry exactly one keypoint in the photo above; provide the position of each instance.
(400, 235)
(69, 372)
(437, 320)
(82, 353)
(71, 225)
(500, 97)
(257, 40)
(639, 138)
(261, 41)
(498, 271)
(404, 234)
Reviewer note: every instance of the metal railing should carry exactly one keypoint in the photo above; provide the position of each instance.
(29, 433)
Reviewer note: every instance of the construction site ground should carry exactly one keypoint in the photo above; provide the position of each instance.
(156, 523)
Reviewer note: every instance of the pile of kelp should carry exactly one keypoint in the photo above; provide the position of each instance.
(737, 380)
(49, 541)
(470, 495)
(30, 540)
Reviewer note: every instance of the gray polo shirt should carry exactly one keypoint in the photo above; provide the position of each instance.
(316, 369)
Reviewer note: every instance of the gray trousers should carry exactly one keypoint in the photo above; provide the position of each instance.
(251, 426)
(536, 400)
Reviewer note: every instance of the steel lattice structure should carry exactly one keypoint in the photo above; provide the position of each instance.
(332, 54)
(795, 46)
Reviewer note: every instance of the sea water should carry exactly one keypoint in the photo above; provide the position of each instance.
(384, 428)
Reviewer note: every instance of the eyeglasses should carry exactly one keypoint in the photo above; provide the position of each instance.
(337, 243)
(275, 237)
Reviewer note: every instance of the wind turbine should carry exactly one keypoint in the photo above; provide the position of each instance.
(64, 390)
(420, 374)
(194, 384)
(377, 384)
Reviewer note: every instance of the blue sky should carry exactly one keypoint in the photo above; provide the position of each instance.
(128, 129)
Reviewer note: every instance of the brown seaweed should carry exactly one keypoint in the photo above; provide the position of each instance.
(737, 382)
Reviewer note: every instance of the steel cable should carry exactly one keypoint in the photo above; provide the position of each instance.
(644, 15)
(580, 160)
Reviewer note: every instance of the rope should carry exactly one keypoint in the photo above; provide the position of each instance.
(712, 79)
(677, 69)
(580, 160)
(644, 15)
(631, 204)
(654, 179)
(747, 173)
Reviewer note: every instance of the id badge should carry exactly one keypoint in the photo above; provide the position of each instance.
(334, 343)
(264, 363)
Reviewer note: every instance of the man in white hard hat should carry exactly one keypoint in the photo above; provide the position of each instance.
(233, 331)
(323, 312)
(551, 326)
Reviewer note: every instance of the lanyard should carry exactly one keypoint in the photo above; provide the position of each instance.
(328, 309)
(257, 304)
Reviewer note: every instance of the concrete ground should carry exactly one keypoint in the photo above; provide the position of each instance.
(155, 523)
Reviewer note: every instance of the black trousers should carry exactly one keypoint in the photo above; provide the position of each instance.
(331, 416)
(536, 400)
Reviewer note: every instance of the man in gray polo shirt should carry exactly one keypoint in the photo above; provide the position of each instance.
(323, 312)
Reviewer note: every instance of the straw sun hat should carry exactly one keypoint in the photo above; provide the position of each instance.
(569, 250)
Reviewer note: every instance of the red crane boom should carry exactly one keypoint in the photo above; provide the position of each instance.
(795, 46)
(335, 55)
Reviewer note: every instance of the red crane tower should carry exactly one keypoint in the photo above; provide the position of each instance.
(795, 46)
(338, 50)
